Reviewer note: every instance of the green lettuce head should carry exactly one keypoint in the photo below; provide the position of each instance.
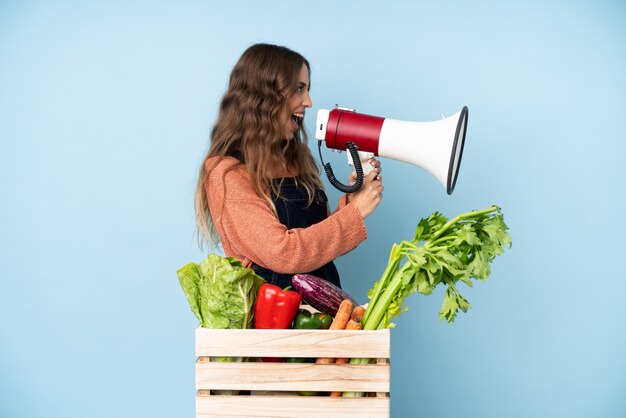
(220, 291)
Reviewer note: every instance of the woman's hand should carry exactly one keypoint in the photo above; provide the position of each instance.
(367, 199)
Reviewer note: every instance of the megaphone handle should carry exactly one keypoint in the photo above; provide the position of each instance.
(364, 159)
(353, 150)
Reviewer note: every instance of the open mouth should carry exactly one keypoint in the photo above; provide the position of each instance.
(296, 120)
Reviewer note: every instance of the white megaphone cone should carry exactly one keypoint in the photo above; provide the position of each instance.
(436, 146)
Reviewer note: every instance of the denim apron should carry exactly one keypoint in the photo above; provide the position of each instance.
(293, 212)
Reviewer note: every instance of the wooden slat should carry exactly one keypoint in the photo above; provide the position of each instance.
(292, 376)
(290, 406)
(382, 361)
(292, 343)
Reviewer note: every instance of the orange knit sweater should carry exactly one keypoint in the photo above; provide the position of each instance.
(251, 232)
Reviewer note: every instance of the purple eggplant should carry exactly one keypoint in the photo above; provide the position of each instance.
(319, 293)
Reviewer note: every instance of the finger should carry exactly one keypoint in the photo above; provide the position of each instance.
(374, 162)
(371, 176)
(377, 192)
(352, 178)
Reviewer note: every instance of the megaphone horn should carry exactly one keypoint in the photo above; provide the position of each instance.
(435, 146)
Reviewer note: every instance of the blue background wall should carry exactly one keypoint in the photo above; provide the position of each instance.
(105, 114)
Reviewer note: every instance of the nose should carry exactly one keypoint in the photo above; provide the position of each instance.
(307, 100)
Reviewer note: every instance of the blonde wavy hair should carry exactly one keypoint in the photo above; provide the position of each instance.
(249, 126)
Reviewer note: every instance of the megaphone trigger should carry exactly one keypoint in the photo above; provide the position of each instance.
(364, 158)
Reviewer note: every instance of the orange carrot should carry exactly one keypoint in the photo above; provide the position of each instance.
(343, 315)
(341, 320)
(351, 325)
(354, 324)
(357, 312)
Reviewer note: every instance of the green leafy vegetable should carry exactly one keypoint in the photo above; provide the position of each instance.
(221, 293)
(441, 252)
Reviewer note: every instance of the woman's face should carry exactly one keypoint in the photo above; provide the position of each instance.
(297, 102)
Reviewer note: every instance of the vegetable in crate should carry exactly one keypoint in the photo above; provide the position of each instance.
(275, 309)
(339, 322)
(442, 252)
(221, 293)
(306, 320)
(319, 293)
(325, 319)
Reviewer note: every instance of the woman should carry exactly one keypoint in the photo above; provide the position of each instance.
(259, 191)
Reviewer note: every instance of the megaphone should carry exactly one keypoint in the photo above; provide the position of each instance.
(435, 146)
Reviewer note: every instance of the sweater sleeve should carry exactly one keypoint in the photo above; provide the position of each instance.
(343, 201)
(249, 228)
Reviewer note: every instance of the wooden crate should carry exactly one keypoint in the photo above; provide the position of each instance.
(282, 379)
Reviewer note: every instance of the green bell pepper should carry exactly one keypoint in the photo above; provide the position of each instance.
(304, 320)
(325, 319)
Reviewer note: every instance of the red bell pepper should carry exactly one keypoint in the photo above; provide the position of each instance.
(275, 309)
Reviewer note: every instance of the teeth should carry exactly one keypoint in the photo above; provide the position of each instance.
(298, 115)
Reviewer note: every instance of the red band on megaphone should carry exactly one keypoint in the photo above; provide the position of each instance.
(345, 126)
